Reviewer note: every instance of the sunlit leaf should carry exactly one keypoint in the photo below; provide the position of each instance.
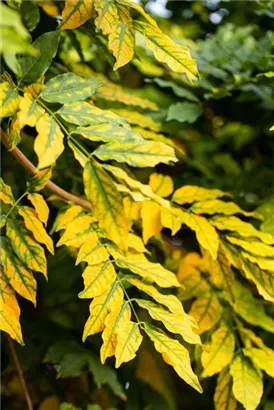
(162, 185)
(97, 279)
(77, 231)
(171, 220)
(30, 112)
(129, 339)
(254, 247)
(142, 120)
(106, 132)
(188, 193)
(151, 219)
(216, 206)
(40, 206)
(6, 194)
(92, 251)
(9, 98)
(76, 13)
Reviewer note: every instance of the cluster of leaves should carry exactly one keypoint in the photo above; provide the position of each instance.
(57, 92)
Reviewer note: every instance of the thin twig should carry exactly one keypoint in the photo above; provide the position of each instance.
(51, 186)
(20, 372)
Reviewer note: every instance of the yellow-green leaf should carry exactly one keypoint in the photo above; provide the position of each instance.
(137, 7)
(19, 277)
(181, 324)
(107, 15)
(48, 144)
(71, 215)
(151, 219)
(129, 339)
(69, 87)
(9, 310)
(105, 132)
(254, 247)
(247, 382)
(263, 263)
(40, 180)
(206, 310)
(106, 202)
(189, 193)
(263, 279)
(40, 206)
(219, 352)
(223, 396)
(216, 206)
(153, 272)
(165, 50)
(97, 279)
(9, 98)
(99, 308)
(35, 226)
(262, 358)
(137, 152)
(6, 194)
(29, 111)
(232, 223)
(92, 251)
(76, 13)
(174, 354)
(162, 185)
(26, 248)
(122, 42)
(136, 117)
(77, 231)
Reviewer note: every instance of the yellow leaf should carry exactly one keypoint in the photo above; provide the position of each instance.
(247, 382)
(262, 358)
(121, 43)
(119, 316)
(232, 223)
(181, 324)
(29, 111)
(171, 220)
(135, 117)
(106, 202)
(254, 247)
(137, 7)
(106, 132)
(263, 263)
(76, 13)
(223, 396)
(216, 206)
(189, 193)
(6, 194)
(219, 353)
(26, 248)
(9, 98)
(136, 243)
(99, 308)
(97, 279)
(92, 251)
(165, 50)
(129, 339)
(35, 226)
(77, 231)
(40, 180)
(10, 311)
(151, 219)
(162, 185)
(48, 144)
(49, 7)
(175, 355)
(40, 206)
(206, 310)
(132, 209)
(71, 215)
(170, 301)
(262, 279)
(153, 272)
(19, 277)
(14, 132)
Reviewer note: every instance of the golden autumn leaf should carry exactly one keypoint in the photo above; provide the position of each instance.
(48, 144)
(29, 111)
(151, 219)
(219, 352)
(263, 263)
(10, 311)
(36, 227)
(92, 251)
(174, 354)
(9, 98)
(77, 231)
(162, 185)
(139, 9)
(254, 247)
(121, 43)
(136, 243)
(129, 339)
(206, 310)
(20, 278)
(39, 181)
(76, 13)
(6, 194)
(171, 220)
(262, 358)
(49, 7)
(223, 396)
(40, 206)
(97, 279)
(106, 202)
(247, 382)
(190, 193)
(70, 215)
(216, 206)
(263, 279)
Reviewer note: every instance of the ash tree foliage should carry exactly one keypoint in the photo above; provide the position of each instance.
(137, 253)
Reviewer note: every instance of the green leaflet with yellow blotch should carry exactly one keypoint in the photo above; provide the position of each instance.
(106, 132)
(39, 181)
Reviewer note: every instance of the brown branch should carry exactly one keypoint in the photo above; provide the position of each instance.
(51, 186)
(20, 372)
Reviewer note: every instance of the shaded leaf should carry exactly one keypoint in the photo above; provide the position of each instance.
(9, 98)
(151, 219)
(184, 112)
(262, 358)
(216, 206)
(105, 132)
(223, 396)
(206, 310)
(162, 185)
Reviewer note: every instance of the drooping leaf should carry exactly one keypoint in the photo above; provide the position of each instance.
(106, 202)
(247, 382)
(189, 193)
(6, 194)
(129, 339)
(171, 220)
(139, 9)
(223, 396)
(136, 243)
(36, 227)
(263, 263)
(69, 87)
(219, 352)
(20, 278)
(40, 206)
(9, 98)
(151, 219)
(10, 311)
(136, 152)
(107, 16)
(46, 47)
(184, 112)
(121, 43)
(97, 279)
(48, 144)
(76, 13)
(30, 112)
(162, 185)
(175, 355)
(263, 279)
(181, 324)
(206, 310)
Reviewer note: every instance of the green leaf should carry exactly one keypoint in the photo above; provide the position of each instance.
(184, 112)
(247, 382)
(33, 67)
(177, 90)
(30, 14)
(137, 152)
(69, 87)
(11, 18)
